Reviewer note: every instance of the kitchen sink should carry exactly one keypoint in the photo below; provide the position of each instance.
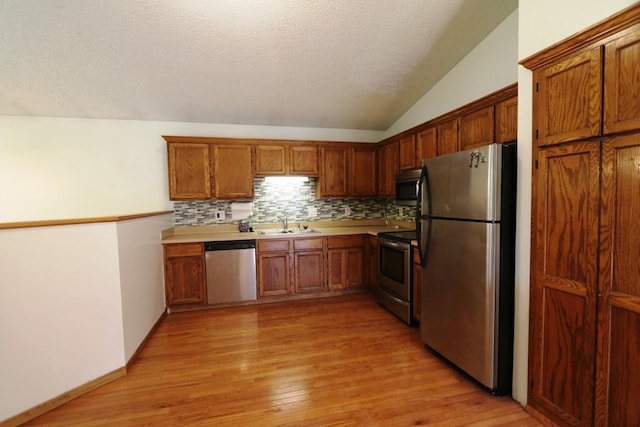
(287, 231)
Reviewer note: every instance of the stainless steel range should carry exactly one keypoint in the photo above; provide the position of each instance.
(394, 273)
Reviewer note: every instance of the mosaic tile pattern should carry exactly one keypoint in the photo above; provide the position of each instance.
(274, 200)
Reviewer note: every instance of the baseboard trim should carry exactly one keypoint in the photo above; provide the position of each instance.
(539, 416)
(146, 339)
(65, 397)
(76, 392)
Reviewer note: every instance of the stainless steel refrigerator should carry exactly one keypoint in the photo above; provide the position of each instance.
(466, 231)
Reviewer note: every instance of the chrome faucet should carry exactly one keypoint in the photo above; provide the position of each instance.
(285, 222)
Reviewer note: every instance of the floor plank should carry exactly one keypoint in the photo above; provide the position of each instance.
(332, 362)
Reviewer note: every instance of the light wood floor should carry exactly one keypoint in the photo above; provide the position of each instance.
(332, 362)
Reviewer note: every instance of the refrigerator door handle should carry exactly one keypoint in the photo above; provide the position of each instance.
(419, 213)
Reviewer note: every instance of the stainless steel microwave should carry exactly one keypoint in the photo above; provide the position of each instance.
(407, 187)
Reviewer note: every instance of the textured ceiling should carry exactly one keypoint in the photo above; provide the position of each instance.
(355, 64)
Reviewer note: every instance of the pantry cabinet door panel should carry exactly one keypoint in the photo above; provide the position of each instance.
(617, 374)
(569, 99)
(622, 84)
(563, 295)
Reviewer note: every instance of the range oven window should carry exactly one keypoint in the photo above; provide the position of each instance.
(392, 263)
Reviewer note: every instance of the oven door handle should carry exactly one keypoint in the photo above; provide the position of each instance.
(402, 246)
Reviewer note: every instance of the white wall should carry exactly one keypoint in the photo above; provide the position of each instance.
(57, 168)
(541, 24)
(141, 277)
(60, 318)
(490, 66)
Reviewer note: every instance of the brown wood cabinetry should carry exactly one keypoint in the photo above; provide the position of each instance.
(184, 280)
(274, 267)
(387, 169)
(233, 172)
(506, 127)
(345, 257)
(584, 345)
(448, 137)
(309, 265)
(426, 145)
(363, 171)
(476, 128)
(189, 171)
(334, 179)
(407, 152)
(621, 87)
(416, 285)
(275, 160)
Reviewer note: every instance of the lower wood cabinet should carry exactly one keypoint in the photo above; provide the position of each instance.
(372, 261)
(274, 267)
(309, 265)
(184, 277)
(345, 258)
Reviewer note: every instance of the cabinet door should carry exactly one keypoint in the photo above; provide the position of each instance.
(309, 271)
(407, 153)
(448, 137)
(345, 259)
(507, 120)
(334, 177)
(189, 171)
(416, 285)
(233, 172)
(622, 84)
(271, 160)
(353, 267)
(618, 373)
(476, 128)
(387, 169)
(274, 270)
(568, 99)
(426, 145)
(364, 166)
(303, 161)
(372, 260)
(336, 266)
(184, 273)
(563, 293)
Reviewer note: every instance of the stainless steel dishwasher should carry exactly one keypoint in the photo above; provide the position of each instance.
(231, 271)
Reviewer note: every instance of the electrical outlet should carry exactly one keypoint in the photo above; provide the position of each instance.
(347, 211)
(400, 211)
(220, 215)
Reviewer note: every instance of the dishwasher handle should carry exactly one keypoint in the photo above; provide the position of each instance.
(229, 245)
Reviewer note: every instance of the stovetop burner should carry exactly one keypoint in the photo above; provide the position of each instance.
(400, 236)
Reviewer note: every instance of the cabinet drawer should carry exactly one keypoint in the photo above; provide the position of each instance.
(344, 241)
(274, 245)
(183, 249)
(306, 244)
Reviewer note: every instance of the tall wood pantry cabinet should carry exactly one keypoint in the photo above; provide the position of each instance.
(584, 343)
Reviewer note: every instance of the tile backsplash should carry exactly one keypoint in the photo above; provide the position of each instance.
(294, 200)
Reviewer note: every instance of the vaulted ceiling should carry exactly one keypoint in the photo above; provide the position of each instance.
(354, 64)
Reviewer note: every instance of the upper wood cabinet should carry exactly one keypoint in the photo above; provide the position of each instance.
(426, 145)
(271, 160)
(622, 84)
(476, 128)
(274, 160)
(184, 276)
(334, 179)
(407, 152)
(506, 128)
(448, 137)
(569, 95)
(363, 172)
(233, 172)
(189, 171)
(387, 169)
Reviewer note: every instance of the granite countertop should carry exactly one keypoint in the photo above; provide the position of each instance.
(322, 229)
